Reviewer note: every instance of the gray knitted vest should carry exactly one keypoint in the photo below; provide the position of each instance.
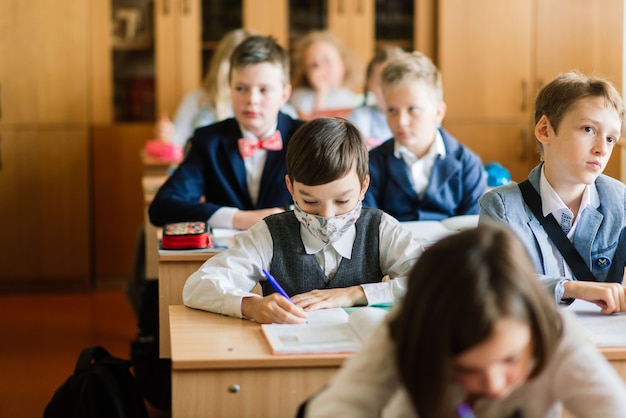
(298, 272)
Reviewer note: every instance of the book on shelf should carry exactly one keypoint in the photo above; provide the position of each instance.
(332, 330)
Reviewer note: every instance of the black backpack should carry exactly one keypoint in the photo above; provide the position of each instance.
(102, 386)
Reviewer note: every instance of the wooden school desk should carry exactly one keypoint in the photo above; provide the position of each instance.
(223, 367)
(176, 266)
(608, 331)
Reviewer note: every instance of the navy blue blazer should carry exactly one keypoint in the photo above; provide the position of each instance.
(456, 183)
(213, 168)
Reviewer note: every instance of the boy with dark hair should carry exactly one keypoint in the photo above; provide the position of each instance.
(327, 252)
(578, 121)
(237, 165)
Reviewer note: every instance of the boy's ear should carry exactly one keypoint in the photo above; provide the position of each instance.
(364, 186)
(441, 112)
(542, 130)
(286, 93)
(289, 185)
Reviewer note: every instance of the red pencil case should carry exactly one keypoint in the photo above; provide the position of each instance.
(185, 236)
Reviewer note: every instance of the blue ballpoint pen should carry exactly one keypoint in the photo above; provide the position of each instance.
(275, 285)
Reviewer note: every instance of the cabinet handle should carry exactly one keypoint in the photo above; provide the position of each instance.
(340, 7)
(524, 95)
(186, 7)
(166, 7)
(540, 84)
(234, 388)
(524, 154)
(360, 7)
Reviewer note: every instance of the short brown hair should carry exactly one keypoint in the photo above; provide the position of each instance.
(257, 49)
(451, 307)
(324, 150)
(413, 66)
(557, 97)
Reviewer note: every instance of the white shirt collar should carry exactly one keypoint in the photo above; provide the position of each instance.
(248, 134)
(437, 149)
(551, 202)
(343, 245)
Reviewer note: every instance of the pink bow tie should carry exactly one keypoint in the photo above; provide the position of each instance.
(248, 146)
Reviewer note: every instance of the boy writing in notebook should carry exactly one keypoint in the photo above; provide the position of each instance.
(237, 165)
(578, 120)
(327, 252)
(422, 173)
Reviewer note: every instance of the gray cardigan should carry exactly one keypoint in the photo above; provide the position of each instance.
(600, 233)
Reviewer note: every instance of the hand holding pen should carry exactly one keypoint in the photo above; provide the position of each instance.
(274, 308)
(275, 285)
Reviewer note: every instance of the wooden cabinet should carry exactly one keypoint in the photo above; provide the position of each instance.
(43, 69)
(44, 172)
(495, 56)
(44, 209)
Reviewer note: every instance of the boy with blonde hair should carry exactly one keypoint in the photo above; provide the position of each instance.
(422, 173)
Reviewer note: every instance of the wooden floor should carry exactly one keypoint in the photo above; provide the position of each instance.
(41, 336)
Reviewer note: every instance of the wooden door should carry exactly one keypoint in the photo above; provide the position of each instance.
(43, 69)
(268, 18)
(44, 209)
(353, 22)
(584, 36)
(178, 52)
(485, 53)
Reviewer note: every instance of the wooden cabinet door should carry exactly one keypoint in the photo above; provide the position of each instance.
(485, 50)
(178, 52)
(353, 22)
(44, 205)
(43, 69)
(580, 35)
(270, 18)
(585, 36)
(510, 144)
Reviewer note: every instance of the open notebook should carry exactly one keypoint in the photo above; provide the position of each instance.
(603, 330)
(327, 331)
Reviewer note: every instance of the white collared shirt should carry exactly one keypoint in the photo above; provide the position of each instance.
(223, 217)
(420, 168)
(551, 203)
(225, 279)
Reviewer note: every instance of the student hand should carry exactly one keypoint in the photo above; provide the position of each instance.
(611, 297)
(330, 298)
(244, 219)
(164, 129)
(272, 309)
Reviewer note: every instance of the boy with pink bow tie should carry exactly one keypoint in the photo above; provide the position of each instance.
(233, 175)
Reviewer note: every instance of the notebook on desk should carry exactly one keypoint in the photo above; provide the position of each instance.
(603, 330)
(327, 331)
